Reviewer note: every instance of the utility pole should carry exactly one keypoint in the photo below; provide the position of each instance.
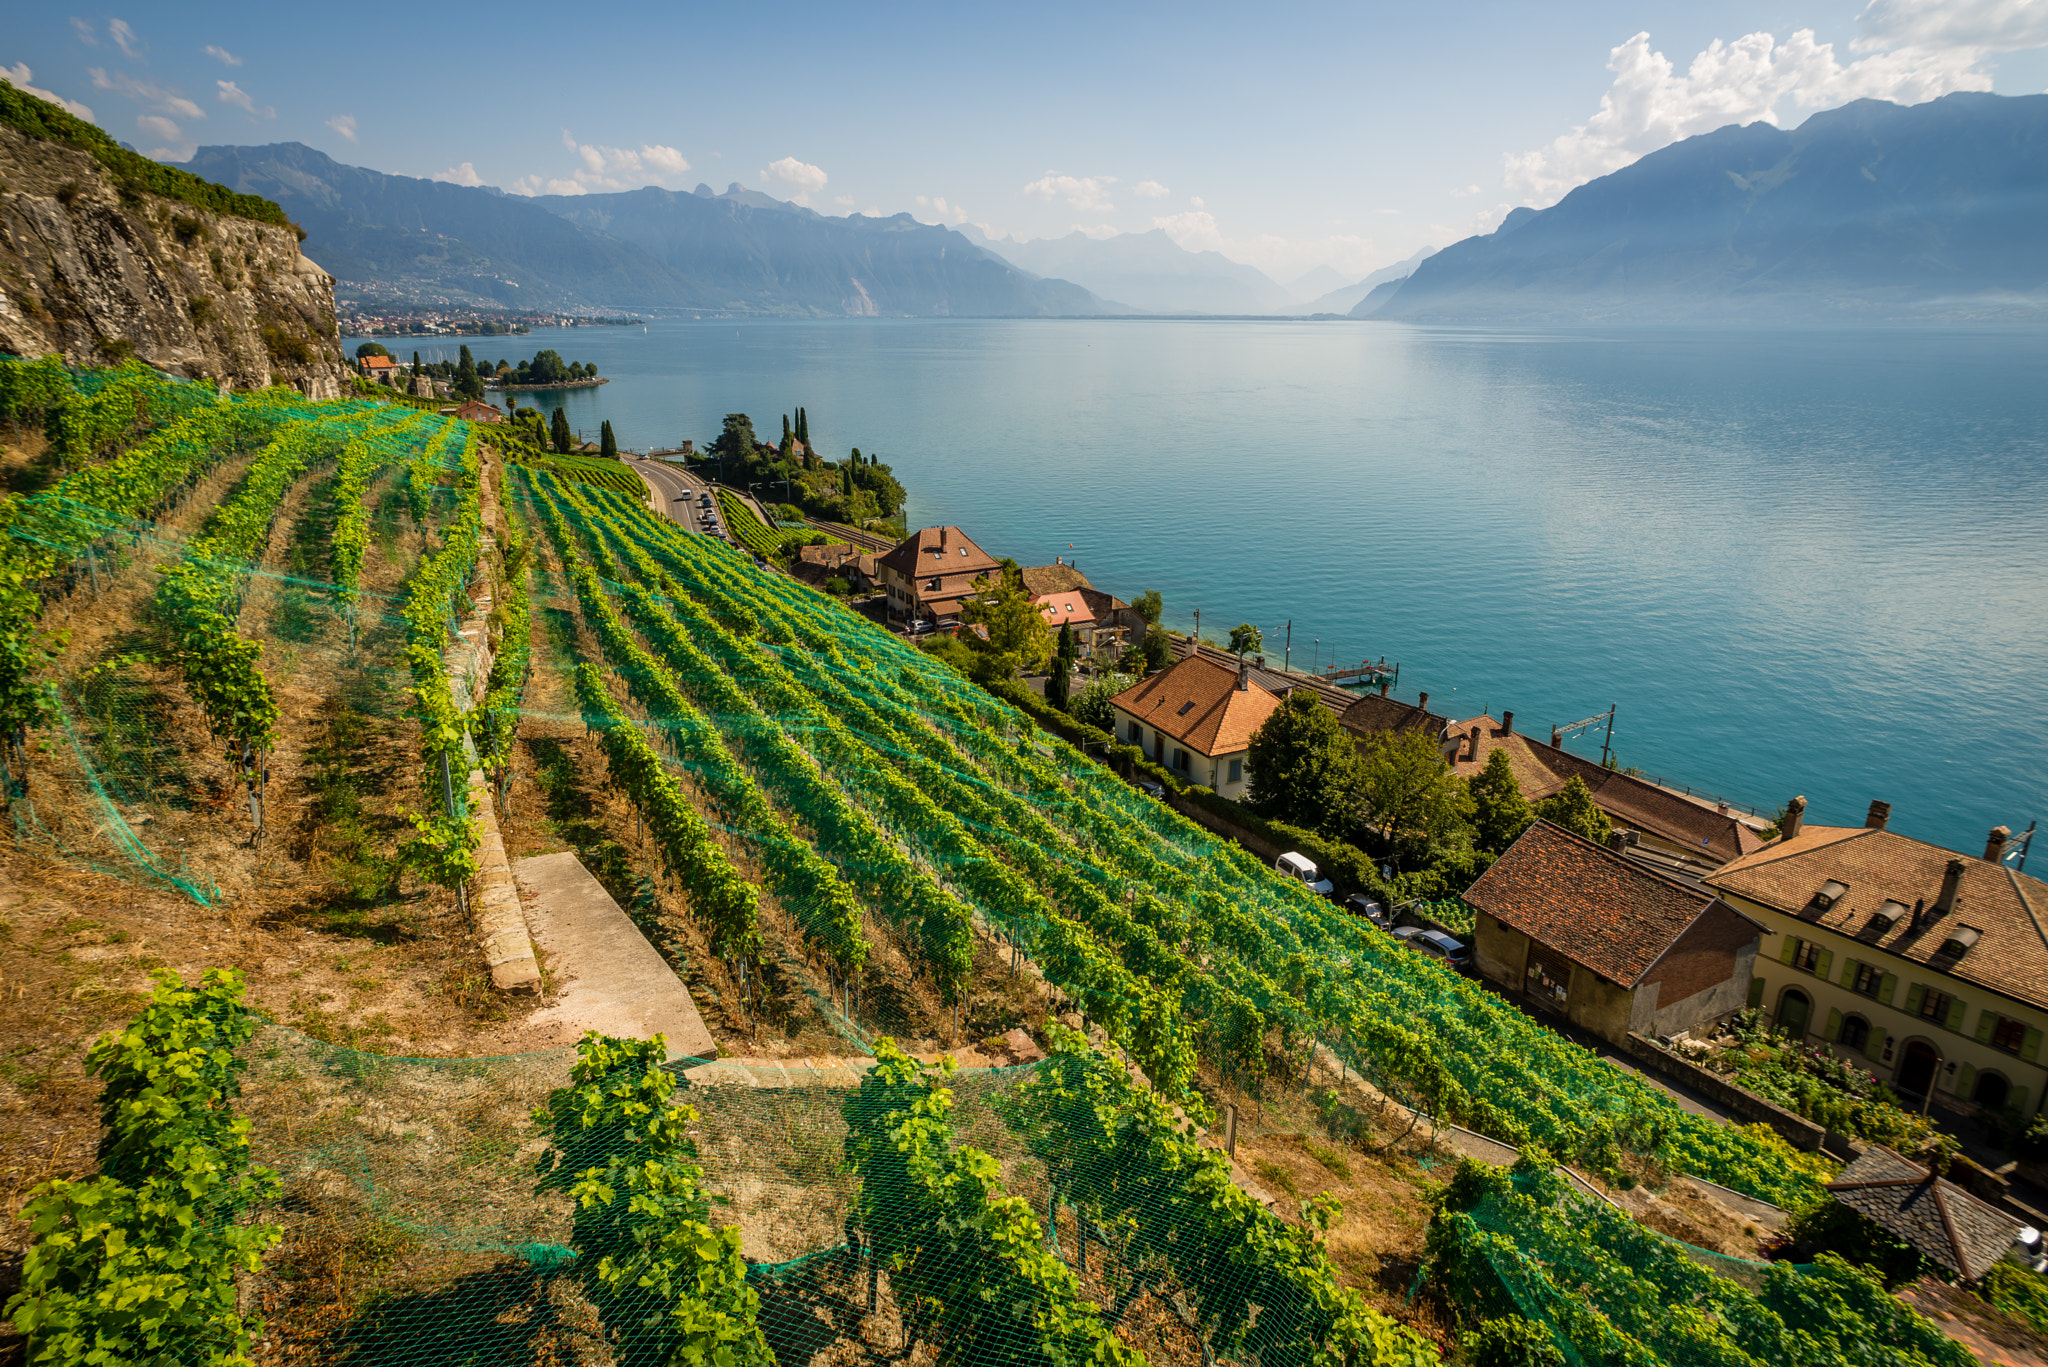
(1196, 648)
(1607, 746)
(1289, 655)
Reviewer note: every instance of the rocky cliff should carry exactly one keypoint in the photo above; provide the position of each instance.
(98, 269)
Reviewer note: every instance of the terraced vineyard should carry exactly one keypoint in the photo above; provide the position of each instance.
(821, 827)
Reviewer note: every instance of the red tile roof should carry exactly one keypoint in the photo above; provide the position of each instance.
(1198, 703)
(1374, 714)
(1063, 609)
(2009, 910)
(1587, 903)
(1542, 770)
(939, 550)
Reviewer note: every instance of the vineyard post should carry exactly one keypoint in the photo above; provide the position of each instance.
(1230, 1130)
(448, 796)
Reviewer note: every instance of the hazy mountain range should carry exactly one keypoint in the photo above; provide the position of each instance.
(398, 238)
(1870, 211)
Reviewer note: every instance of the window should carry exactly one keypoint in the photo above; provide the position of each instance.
(1237, 771)
(1934, 1005)
(1809, 958)
(2008, 1034)
(1855, 1033)
(1185, 708)
(1180, 760)
(1869, 981)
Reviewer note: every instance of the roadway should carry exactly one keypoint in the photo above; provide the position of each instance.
(677, 494)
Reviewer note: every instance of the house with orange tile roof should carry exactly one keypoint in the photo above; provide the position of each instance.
(1610, 945)
(378, 368)
(476, 410)
(1196, 719)
(1668, 823)
(1925, 966)
(932, 572)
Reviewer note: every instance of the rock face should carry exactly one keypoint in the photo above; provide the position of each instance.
(97, 274)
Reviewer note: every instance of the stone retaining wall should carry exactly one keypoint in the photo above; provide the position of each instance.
(1798, 1131)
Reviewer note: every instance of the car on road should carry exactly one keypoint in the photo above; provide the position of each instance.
(1434, 944)
(1358, 904)
(1302, 869)
(1152, 789)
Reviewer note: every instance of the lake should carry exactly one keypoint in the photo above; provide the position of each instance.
(1798, 561)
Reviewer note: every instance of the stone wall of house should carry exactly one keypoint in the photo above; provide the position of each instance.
(95, 274)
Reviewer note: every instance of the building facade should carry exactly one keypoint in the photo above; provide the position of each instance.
(1926, 967)
(932, 572)
(1196, 719)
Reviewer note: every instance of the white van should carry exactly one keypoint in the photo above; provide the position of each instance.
(1303, 870)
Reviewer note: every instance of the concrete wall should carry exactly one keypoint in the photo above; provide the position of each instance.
(1798, 1131)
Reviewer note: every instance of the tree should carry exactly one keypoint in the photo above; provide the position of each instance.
(372, 349)
(1091, 706)
(558, 429)
(468, 384)
(1018, 637)
(1150, 606)
(735, 444)
(1411, 794)
(1059, 689)
(1302, 767)
(1158, 648)
(1499, 811)
(1069, 650)
(1573, 808)
(1246, 639)
(415, 363)
(607, 444)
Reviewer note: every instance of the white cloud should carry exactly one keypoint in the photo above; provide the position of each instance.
(536, 185)
(155, 127)
(947, 213)
(19, 75)
(124, 38)
(1466, 193)
(1089, 193)
(1196, 200)
(344, 124)
(226, 58)
(843, 201)
(465, 174)
(1918, 50)
(87, 34)
(233, 94)
(1281, 257)
(614, 168)
(666, 160)
(800, 176)
(1150, 189)
(162, 99)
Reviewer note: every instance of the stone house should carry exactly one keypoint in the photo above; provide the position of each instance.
(476, 410)
(1922, 965)
(1610, 945)
(1196, 719)
(932, 572)
(815, 565)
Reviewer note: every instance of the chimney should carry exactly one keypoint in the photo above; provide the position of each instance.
(1919, 915)
(1244, 675)
(1555, 739)
(1721, 808)
(1951, 884)
(1422, 703)
(1994, 847)
(1795, 813)
(1880, 812)
(1383, 687)
(1472, 753)
(1507, 723)
(1616, 841)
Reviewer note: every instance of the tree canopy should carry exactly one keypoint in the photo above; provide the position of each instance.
(1411, 794)
(558, 431)
(1303, 768)
(372, 349)
(1573, 808)
(1246, 639)
(1150, 606)
(1499, 811)
(607, 444)
(1018, 637)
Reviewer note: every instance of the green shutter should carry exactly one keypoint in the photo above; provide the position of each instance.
(1791, 949)
(1913, 996)
(1957, 1009)
(1849, 967)
(1985, 1021)
(2017, 1099)
(1874, 1046)
(1827, 959)
(1834, 1025)
(1966, 1081)
(1886, 988)
(2031, 1045)
(1756, 991)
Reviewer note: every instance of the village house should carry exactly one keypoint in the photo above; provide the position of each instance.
(1196, 719)
(1670, 825)
(377, 368)
(932, 572)
(1377, 714)
(476, 410)
(1115, 624)
(1071, 610)
(1611, 946)
(816, 565)
(1927, 967)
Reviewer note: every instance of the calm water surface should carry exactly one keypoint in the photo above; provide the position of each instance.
(1799, 562)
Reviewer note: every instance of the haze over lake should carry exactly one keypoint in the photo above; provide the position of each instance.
(1800, 561)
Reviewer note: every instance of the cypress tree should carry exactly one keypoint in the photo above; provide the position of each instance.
(607, 445)
(1060, 686)
(558, 429)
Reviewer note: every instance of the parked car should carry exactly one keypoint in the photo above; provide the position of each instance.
(1358, 904)
(1152, 789)
(1302, 869)
(1434, 944)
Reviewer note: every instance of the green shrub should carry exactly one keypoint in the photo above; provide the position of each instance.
(1511, 1341)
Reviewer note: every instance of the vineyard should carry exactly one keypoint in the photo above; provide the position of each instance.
(238, 671)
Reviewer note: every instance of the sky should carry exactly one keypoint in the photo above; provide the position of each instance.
(1289, 136)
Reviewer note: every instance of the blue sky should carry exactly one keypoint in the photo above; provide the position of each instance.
(1288, 136)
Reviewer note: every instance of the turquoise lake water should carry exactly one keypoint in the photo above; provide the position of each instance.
(1799, 562)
